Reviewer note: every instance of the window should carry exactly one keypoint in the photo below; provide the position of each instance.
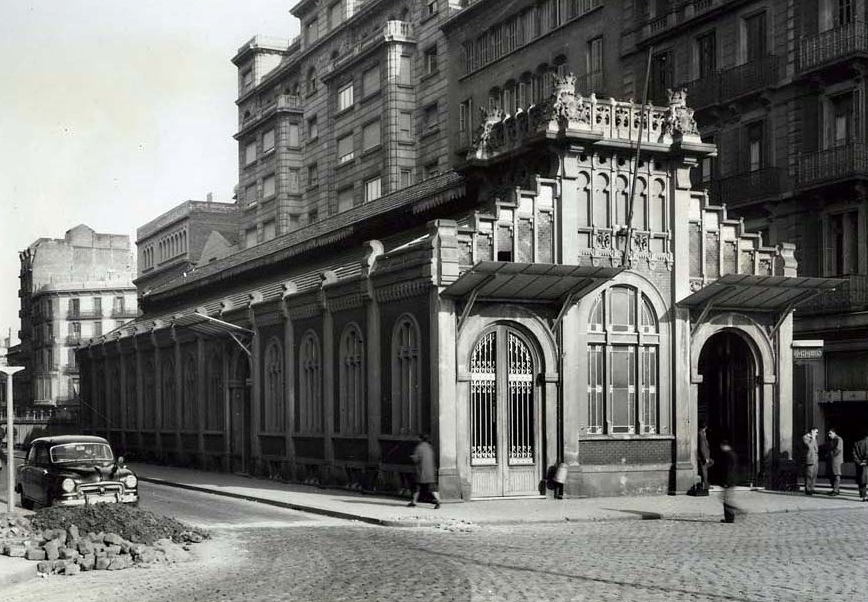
(294, 222)
(188, 403)
(405, 126)
(269, 230)
(168, 394)
(432, 170)
(311, 81)
(371, 135)
(293, 135)
(755, 146)
(250, 237)
(312, 216)
(97, 329)
(249, 153)
(345, 149)
(465, 127)
(623, 375)
(117, 305)
(74, 307)
(406, 377)
(70, 358)
(706, 50)
(250, 194)
(268, 186)
(293, 180)
(431, 117)
(661, 77)
(351, 382)
(312, 130)
(346, 199)
(310, 32)
(310, 414)
(430, 8)
(844, 12)
(755, 37)
(406, 178)
(594, 79)
(840, 233)
(214, 409)
(273, 411)
(336, 14)
(345, 97)
(268, 141)
(97, 306)
(371, 81)
(246, 79)
(405, 74)
(312, 175)
(842, 129)
(372, 189)
(75, 330)
(431, 60)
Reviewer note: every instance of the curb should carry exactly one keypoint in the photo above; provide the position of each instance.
(23, 570)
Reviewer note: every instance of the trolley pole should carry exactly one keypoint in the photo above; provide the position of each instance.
(9, 371)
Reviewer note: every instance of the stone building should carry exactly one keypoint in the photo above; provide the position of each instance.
(72, 289)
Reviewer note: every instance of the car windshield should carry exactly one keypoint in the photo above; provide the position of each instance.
(81, 452)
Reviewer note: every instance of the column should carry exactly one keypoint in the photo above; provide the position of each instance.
(289, 377)
(201, 396)
(158, 397)
(179, 392)
(328, 373)
(255, 392)
(122, 367)
(139, 391)
(373, 356)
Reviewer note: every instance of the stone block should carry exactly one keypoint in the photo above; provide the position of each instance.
(43, 567)
(102, 563)
(85, 547)
(112, 551)
(136, 549)
(112, 539)
(58, 565)
(87, 562)
(35, 554)
(119, 562)
(72, 533)
(52, 550)
(72, 569)
(15, 551)
(69, 553)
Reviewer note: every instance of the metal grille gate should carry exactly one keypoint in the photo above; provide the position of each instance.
(503, 416)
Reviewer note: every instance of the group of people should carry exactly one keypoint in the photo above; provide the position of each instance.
(728, 472)
(834, 451)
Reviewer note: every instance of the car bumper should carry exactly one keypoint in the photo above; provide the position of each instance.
(106, 498)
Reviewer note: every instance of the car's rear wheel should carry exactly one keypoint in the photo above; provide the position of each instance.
(25, 503)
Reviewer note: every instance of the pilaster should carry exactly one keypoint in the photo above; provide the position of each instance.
(373, 354)
(328, 389)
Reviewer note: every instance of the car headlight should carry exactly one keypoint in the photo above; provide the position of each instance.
(131, 481)
(68, 485)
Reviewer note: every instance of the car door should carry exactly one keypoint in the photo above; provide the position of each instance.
(43, 464)
(27, 473)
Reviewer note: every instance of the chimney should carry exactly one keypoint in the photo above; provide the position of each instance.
(209, 197)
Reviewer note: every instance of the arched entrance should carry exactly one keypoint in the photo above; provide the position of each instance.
(504, 414)
(727, 401)
(239, 416)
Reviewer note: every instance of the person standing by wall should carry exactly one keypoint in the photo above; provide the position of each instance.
(704, 458)
(860, 459)
(426, 472)
(811, 458)
(730, 477)
(834, 460)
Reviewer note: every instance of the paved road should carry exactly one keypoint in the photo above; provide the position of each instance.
(263, 553)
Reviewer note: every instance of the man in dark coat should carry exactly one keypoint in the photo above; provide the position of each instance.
(704, 458)
(730, 477)
(426, 471)
(860, 459)
(834, 460)
(811, 451)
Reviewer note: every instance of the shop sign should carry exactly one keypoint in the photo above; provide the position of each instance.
(808, 353)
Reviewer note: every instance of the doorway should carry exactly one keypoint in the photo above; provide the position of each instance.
(239, 397)
(504, 415)
(727, 402)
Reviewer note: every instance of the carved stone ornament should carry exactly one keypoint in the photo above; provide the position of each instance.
(565, 105)
(679, 118)
(604, 239)
(643, 242)
(486, 136)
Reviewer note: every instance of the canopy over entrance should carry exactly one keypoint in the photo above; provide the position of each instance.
(759, 293)
(212, 327)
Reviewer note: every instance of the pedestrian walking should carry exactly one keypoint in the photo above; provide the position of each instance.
(809, 440)
(426, 472)
(730, 477)
(860, 459)
(834, 460)
(704, 458)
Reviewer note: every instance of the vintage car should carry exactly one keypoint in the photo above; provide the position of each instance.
(74, 470)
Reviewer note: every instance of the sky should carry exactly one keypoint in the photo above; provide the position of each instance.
(113, 111)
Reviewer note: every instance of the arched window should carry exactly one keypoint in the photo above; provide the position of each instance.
(623, 363)
(188, 410)
(406, 377)
(149, 387)
(352, 382)
(214, 407)
(273, 410)
(168, 390)
(310, 415)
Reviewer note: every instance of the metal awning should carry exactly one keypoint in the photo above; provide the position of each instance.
(541, 282)
(529, 281)
(745, 292)
(212, 327)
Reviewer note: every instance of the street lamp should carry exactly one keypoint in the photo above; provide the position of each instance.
(9, 371)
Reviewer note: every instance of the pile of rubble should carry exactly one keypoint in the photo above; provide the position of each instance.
(68, 551)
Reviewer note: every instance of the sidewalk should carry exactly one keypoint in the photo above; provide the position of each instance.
(390, 511)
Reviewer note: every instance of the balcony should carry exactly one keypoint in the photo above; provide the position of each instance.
(282, 103)
(750, 77)
(73, 340)
(679, 13)
(851, 296)
(753, 185)
(71, 369)
(84, 314)
(393, 31)
(703, 92)
(124, 312)
(833, 45)
(832, 165)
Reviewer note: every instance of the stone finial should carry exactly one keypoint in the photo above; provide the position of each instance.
(679, 121)
(373, 249)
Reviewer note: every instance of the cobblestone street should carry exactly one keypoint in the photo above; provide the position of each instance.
(805, 556)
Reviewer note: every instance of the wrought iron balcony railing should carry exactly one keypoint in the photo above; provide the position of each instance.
(751, 77)
(736, 189)
(703, 92)
(834, 164)
(124, 312)
(84, 314)
(851, 296)
(832, 45)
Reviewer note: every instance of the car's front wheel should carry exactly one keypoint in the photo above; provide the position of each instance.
(25, 503)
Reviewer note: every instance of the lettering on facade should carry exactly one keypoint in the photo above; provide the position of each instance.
(808, 353)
